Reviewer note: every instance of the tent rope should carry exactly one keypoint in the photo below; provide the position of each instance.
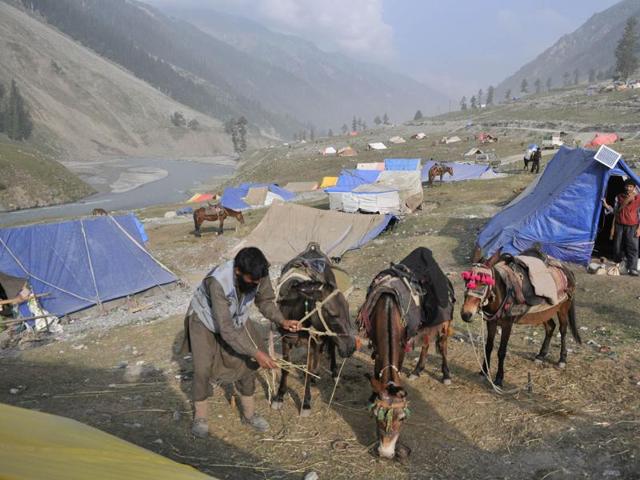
(93, 274)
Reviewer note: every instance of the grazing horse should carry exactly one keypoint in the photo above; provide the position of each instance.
(99, 211)
(214, 213)
(308, 288)
(439, 170)
(487, 293)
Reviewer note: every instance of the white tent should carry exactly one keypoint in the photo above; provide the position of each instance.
(328, 151)
(474, 151)
(409, 186)
(448, 140)
(368, 198)
(419, 136)
(377, 146)
(397, 140)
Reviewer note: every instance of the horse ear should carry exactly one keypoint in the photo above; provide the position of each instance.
(493, 259)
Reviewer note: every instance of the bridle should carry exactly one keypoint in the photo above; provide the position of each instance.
(478, 283)
(383, 409)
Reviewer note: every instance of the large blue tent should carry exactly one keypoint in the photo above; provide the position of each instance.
(351, 179)
(81, 263)
(560, 210)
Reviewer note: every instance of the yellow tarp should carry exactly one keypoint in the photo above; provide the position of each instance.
(329, 182)
(35, 445)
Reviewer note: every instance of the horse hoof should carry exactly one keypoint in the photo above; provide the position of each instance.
(446, 381)
(306, 412)
(276, 405)
(498, 383)
(413, 377)
(538, 361)
(562, 365)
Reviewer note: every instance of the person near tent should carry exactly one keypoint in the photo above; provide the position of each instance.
(226, 346)
(626, 212)
(536, 156)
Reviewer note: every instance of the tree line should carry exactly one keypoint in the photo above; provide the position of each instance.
(625, 66)
(15, 119)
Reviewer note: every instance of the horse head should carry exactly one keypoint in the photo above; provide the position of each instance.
(390, 407)
(480, 287)
(448, 170)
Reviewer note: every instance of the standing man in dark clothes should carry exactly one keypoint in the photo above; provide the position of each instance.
(627, 226)
(226, 346)
(535, 160)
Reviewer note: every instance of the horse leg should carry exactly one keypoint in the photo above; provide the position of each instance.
(492, 328)
(311, 367)
(502, 351)
(278, 400)
(332, 359)
(197, 223)
(549, 328)
(563, 318)
(221, 228)
(443, 337)
(422, 360)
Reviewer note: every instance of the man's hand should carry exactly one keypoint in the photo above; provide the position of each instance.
(291, 325)
(265, 361)
(638, 232)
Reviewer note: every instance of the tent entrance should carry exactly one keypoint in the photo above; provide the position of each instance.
(604, 246)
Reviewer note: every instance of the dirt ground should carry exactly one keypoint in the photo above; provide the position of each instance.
(582, 422)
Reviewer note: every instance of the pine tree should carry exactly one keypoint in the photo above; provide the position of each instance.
(330, 133)
(312, 133)
(364, 125)
(344, 129)
(538, 85)
(242, 133)
(565, 78)
(507, 95)
(549, 83)
(18, 123)
(2, 93)
(463, 103)
(600, 75)
(524, 86)
(576, 76)
(377, 120)
(480, 95)
(178, 119)
(592, 75)
(354, 124)
(626, 59)
(385, 119)
(193, 124)
(490, 94)
(418, 115)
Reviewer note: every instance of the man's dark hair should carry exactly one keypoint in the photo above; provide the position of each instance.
(251, 261)
(629, 181)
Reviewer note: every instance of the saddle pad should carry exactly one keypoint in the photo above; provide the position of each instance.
(212, 211)
(541, 279)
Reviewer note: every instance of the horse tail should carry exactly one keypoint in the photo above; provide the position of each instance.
(572, 322)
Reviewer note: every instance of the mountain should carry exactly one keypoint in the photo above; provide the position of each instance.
(590, 47)
(279, 90)
(337, 87)
(85, 107)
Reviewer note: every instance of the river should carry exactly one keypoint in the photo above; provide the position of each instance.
(127, 184)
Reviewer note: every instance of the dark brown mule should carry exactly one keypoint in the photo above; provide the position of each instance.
(308, 284)
(212, 214)
(388, 402)
(490, 296)
(438, 171)
(99, 211)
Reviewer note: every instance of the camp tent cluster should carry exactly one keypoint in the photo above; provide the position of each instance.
(560, 211)
(392, 187)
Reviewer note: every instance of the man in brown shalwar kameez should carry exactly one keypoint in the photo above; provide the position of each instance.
(226, 347)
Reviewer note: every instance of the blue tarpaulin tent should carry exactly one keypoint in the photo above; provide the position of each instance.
(81, 263)
(461, 171)
(233, 197)
(350, 179)
(397, 164)
(560, 210)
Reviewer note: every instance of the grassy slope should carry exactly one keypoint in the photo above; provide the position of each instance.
(30, 179)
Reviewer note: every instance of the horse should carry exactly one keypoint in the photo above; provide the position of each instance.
(99, 211)
(439, 170)
(214, 213)
(487, 293)
(392, 320)
(308, 289)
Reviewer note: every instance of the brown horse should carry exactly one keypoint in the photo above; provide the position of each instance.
(214, 213)
(439, 170)
(99, 211)
(308, 282)
(487, 293)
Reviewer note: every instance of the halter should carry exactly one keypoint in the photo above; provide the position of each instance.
(478, 282)
(384, 409)
(391, 366)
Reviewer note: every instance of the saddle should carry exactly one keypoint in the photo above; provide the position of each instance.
(213, 210)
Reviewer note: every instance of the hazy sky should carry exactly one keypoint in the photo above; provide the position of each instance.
(455, 46)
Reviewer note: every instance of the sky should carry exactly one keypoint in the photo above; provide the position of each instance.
(456, 47)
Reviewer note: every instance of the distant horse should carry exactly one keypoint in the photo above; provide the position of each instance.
(214, 213)
(308, 285)
(439, 170)
(487, 292)
(99, 211)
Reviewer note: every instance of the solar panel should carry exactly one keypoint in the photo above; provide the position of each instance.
(607, 156)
